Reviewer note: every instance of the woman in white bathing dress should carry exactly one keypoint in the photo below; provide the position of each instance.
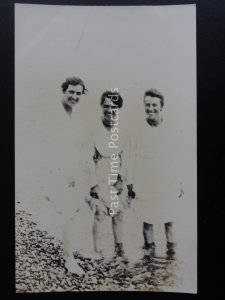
(65, 175)
(110, 159)
(158, 174)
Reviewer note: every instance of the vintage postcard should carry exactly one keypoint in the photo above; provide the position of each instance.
(105, 148)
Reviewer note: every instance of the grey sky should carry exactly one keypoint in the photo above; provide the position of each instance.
(132, 48)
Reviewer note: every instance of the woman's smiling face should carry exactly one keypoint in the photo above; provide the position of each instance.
(109, 111)
(73, 94)
(152, 108)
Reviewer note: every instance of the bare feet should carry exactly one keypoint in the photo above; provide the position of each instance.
(72, 266)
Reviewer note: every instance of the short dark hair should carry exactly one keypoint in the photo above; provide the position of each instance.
(108, 94)
(73, 81)
(154, 93)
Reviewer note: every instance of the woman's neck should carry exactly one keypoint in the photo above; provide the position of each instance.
(67, 108)
(107, 125)
(154, 123)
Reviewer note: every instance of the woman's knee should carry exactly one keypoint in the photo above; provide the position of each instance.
(169, 225)
(147, 226)
(118, 218)
(99, 215)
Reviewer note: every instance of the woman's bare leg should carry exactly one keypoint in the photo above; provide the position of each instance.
(70, 262)
(171, 244)
(97, 229)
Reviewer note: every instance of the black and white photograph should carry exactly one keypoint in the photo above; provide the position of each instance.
(105, 148)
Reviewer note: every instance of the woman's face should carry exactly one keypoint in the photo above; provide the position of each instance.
(153, 108)
(109, 110)
(73, 94)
